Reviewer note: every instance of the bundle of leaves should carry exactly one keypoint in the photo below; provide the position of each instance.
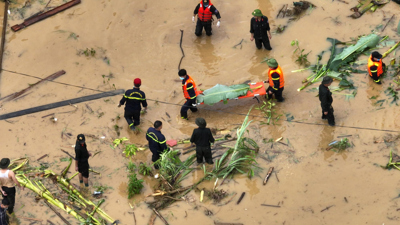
(240, 159)
(341, 145)
(172, 169)
(222, 93)
(134, 185)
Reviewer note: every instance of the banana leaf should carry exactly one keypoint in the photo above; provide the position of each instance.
(222, 93)
(352, 52)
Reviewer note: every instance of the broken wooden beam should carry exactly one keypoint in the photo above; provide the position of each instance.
(19, 93)
(57, 213)
(218, 223)
(3, 35)
(61, 104)
(44, 15)
(159, 215)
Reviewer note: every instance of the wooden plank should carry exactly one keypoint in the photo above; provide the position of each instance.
(3, 36)
(19, 93)
(61, 104)
(44, 15)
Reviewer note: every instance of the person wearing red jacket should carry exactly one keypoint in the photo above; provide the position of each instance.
(204, 11)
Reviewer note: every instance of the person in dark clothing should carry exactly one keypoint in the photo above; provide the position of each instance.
(135, 99)
(8, 181)
(157, 141)
(260, 30)
(82, 159)
(276, 80)
(202, 138)
(325, 96)
(376, 68)
(4, 220)
(204, 11)
(189, 92)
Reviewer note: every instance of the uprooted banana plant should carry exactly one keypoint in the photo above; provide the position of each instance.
(38, 187)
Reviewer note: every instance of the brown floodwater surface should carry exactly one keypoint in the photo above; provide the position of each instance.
(141, 39)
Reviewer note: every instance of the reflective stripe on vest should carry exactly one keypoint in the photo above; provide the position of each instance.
(185, 89)
(379, 66)
(278, 70)
(155, 138)
(205, 14)
(135, 98)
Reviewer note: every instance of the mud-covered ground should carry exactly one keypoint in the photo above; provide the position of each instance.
(141, 39)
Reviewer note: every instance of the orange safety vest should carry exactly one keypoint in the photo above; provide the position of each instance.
(378, 64)
(205, 14)
(281, 79)
(184, 88)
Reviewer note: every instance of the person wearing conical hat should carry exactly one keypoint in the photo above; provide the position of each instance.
(260, 30)
(276, 80)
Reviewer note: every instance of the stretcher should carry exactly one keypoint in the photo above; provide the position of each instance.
(256, 89)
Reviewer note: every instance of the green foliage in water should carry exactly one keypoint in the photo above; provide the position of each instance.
(134, 185)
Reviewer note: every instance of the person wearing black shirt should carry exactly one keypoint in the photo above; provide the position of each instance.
(135, 99)
(325, 96)
(82, 159)
(204, 11)
(5, 203)
(260, 30)
(157, 141)
(202, 138)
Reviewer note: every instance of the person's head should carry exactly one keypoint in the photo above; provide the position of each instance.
(5, 203)
(206, 3)
(182, 74)
(137, 82)
(81, 139)
(201, 122)
(158, 125)
(4, 163)
(257, 14)
(327, 81)
(376, 56)
(272, 63)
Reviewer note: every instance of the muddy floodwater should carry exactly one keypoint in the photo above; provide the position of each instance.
(141, 39)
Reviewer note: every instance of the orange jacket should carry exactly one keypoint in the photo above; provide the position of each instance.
(378, 64)
(185, 89)
(278, 70)
(205, 14)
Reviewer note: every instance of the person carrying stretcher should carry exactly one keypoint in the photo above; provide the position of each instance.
(276, 80)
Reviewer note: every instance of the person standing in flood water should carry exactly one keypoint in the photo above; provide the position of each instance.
(157, 141)
(276, 80)
(204, 11)
(202, 138)
(135, 99)
(376, 67)
(189, 92)
(260, 30)
(82, 159)
(325, 96)
(7, 183)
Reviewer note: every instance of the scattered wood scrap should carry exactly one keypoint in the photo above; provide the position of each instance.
(3, 35)
(240, 199)
(271, 169)
(20, 93)
(218, 223)
(44, 15)
(327, 208)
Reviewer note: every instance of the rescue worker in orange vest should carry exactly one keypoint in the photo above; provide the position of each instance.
(276, 80)
(190, 93)
(204, 10)
(376, 67)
